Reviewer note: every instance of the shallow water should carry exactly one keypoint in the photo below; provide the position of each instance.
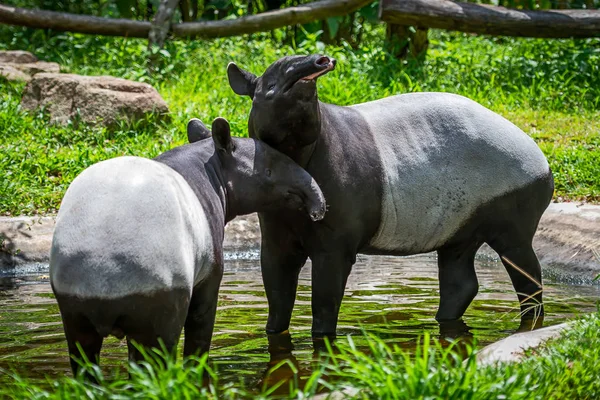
(392, 297)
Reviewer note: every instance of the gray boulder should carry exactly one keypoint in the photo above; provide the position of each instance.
(20, 65)
(36, 67)
(17, 56)
(96, 99)
(13, 74)
(24, 71)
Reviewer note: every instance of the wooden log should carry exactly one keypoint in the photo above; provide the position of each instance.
(491, 20)
(269, 20)
(73, 22)
(122, 27)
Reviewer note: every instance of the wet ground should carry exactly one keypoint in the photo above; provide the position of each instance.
(394, 298)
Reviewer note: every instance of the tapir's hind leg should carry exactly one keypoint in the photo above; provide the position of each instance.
(458, 280)
(200, 319)
(511, 236)
(524, 270)
(79, 330)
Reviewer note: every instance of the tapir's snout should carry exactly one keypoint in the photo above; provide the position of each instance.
(325, 62)
(314, 66)
(316, 205)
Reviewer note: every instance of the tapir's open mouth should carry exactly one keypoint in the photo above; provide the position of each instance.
(327, 62)
(323, 65)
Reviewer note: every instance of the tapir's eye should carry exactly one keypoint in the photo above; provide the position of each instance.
(270, 92)
(268, 172)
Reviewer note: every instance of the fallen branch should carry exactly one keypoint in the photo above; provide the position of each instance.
(267, 21)
(491, 20)
(270, 20)
(73, 22)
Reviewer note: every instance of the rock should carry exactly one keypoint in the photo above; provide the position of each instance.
(512, 348)
(36, 67)
(243, 233)
(568, 242)
(13, 74)
(17, 65)
(25, 239)
(24, 71)
(17, 56)
(347, 393)
(97, 99)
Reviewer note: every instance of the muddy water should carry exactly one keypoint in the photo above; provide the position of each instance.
(395, 298)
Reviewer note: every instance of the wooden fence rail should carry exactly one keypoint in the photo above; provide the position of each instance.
(266, 21)
(491, 20)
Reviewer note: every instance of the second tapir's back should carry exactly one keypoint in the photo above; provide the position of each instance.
(443, 156)
(129, 225)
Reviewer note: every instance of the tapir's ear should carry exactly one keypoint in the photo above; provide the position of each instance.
(196, 130)
(242, 82)
(222, 135)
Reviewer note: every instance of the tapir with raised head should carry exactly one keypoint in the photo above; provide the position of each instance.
(403, 175)
(138, 245)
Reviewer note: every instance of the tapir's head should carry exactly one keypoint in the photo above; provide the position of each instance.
(285, 108)
(257, 177)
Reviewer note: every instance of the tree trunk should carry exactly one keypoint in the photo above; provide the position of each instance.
(149, 10)
(184, 7)
(195, 9)
(161, 24)
(402, 41)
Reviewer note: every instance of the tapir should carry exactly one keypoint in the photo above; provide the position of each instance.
(138, 245)
(402, 175)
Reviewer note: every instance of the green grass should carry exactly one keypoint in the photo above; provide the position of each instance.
(565, 368)
(550, 88)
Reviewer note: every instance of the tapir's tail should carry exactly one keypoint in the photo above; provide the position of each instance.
(106, 330)
(105, 318)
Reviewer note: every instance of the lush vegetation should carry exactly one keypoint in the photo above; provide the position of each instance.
(550, 88)
(567, 368)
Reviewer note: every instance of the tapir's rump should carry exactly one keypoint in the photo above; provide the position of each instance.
(128, 226)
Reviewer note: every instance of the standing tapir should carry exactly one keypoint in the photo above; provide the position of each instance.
(402, 175)
(138, 245)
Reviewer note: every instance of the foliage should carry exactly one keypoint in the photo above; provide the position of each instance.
(348, 28)
(564, 368)
(550, 88)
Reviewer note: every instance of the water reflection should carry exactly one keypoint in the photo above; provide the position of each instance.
(393, 298)
(283, 366)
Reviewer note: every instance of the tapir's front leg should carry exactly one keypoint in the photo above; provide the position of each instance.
(200, 320)
(330, 272)
(281, 259)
